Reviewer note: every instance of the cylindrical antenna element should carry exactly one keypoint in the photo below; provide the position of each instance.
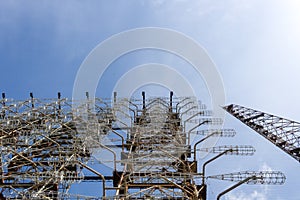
(31, 96)
(171, 100)
(144, 100)
(115, 97)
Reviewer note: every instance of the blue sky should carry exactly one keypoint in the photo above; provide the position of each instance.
(254, 44)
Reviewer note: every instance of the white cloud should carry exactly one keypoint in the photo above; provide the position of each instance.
(255, 195)
(258, 194)
(265, 167)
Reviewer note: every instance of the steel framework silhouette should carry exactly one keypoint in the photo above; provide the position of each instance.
(283, 133)
(49, 144)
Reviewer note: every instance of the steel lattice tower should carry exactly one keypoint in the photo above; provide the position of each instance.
(283, 133)
(49, 144)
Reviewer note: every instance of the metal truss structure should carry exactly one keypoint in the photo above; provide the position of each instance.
(241, 150)
(41, 151)
(262, 177)
(250, 177)
(156, 161)
(283, 133)
(49, 144)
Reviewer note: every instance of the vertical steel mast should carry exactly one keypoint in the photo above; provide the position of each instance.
(156, 161)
